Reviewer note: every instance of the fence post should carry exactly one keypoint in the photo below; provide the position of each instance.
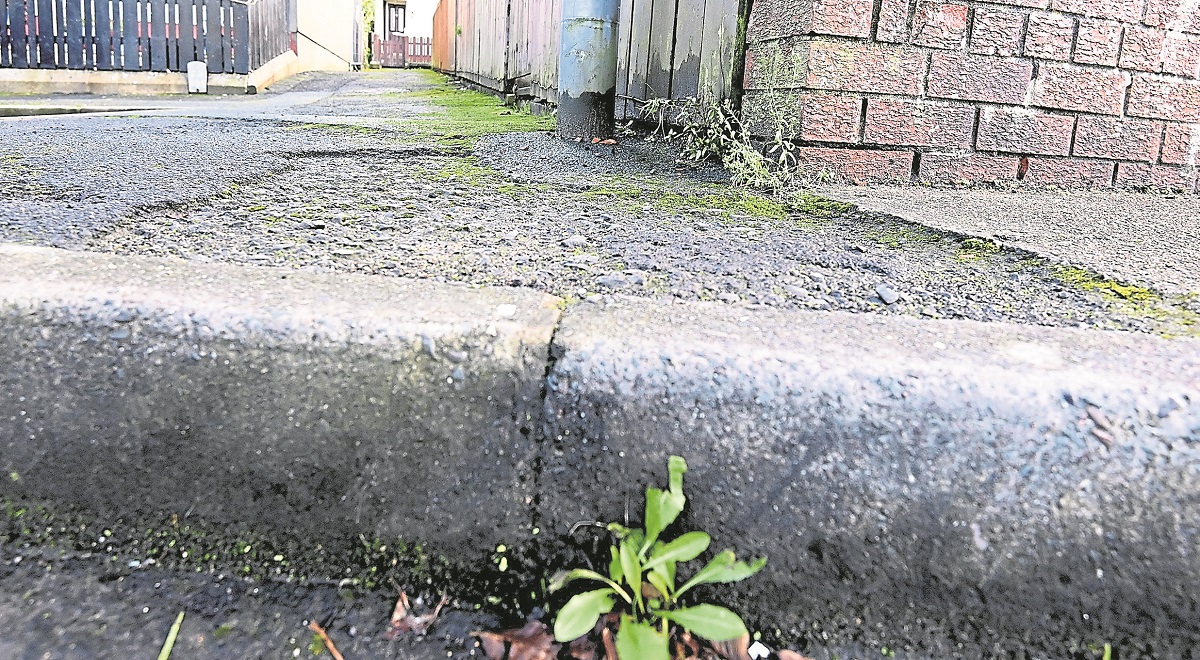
(587, 72)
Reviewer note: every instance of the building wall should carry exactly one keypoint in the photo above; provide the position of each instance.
(418, 17)
(1064, 92)
(325, 39)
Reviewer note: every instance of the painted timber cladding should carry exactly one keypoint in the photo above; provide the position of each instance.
(142, 35)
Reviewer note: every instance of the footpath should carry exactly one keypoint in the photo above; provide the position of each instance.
(372, 307)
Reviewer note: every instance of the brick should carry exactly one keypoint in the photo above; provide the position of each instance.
(1181, 55)
(1049, 37)
(847, 18)
(1075, 88)
(1020, 131)
(1142, 49)
(1164, 98)
(775, 65)
(919, 124)
(858, 165)
(772, 19)
(816, 117)
(1180, 15)
(997, 32)
(829, 118)
(1031, 4)
(940, 25)
(1097, 42)
(763, 111)
(954, 168)
(1128, 11)
(1181, 146)
(893, 22)
(1119, 139)
(978, 78)
(855, 67)
(1069, 172)
(1156, 176)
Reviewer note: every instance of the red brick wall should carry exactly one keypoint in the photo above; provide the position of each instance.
(1062, 92)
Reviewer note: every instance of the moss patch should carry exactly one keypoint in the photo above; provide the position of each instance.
(465, 115)
(727, 203)
(1170, 317)
(977, 249)
(900, 236)
(724, 202)
(815, 205)
(1089, 281)
(174, 543)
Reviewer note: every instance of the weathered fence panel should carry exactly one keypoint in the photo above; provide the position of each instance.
(443, 36)
(5, 51)
(104, 41)
(719, 49)
(212, 35)
(666, 48)
(44, 24)
(187, 33)
(270, 35)
(232, 36)
(74, 41)
(129, 36)
(18, 33)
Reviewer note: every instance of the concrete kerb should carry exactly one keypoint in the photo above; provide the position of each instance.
(912, 482)
(908, 479)
(331, 404)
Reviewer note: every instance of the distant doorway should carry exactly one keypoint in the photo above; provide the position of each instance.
(395, 20)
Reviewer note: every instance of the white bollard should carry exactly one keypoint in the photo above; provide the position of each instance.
(197, 76)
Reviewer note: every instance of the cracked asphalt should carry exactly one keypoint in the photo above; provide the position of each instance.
(382, 173)
(369, 173)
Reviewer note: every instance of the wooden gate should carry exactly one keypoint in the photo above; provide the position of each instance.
(232, 36)
(401, 52)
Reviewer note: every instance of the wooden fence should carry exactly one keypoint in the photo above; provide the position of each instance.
(232, 36)
(401, 52)
(666, 48)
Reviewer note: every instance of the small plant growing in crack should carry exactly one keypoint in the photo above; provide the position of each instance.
(642, 581)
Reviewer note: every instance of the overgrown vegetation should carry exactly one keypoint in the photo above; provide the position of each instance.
(710, 131)
(642, 576)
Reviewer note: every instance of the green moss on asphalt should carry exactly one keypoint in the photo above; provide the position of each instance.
(900, 236)
(465, 115)
(727, 203)
(1089, 281)
(817, 206)
(195, 545)
(977, 249)
(1170, 316)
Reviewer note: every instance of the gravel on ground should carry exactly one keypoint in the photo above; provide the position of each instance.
(397, 173)
(434, 193)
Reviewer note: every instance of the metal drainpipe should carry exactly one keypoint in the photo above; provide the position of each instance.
(587, 68)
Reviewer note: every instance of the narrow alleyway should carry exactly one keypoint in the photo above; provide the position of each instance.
(397, 173)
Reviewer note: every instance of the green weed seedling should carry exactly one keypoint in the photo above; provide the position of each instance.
(642, 576)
